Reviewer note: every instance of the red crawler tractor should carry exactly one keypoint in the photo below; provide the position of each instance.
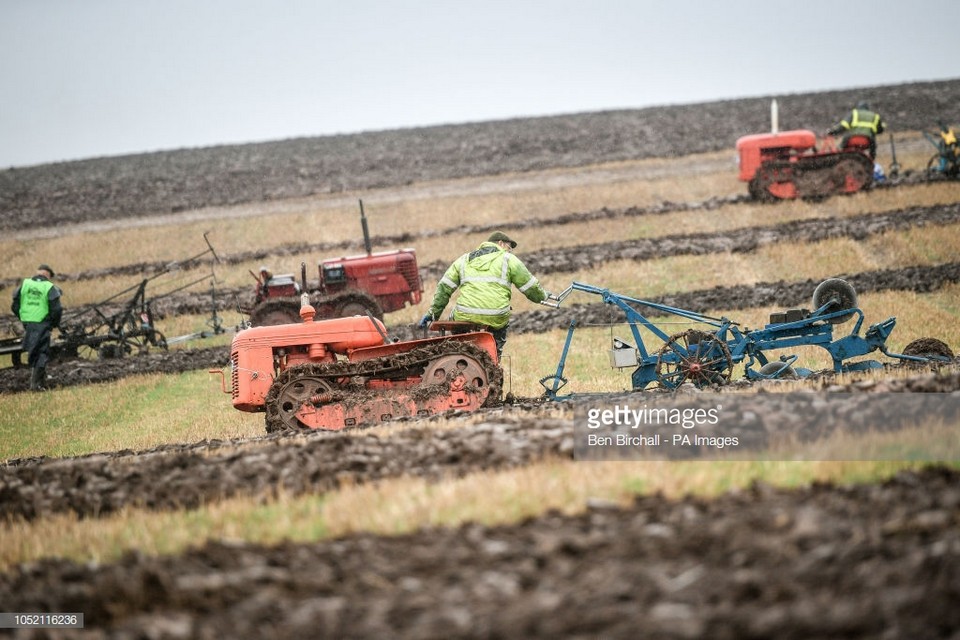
(787, 165)
(331, 374)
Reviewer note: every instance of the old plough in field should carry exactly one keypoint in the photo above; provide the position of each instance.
(120, 325)
(707, 354)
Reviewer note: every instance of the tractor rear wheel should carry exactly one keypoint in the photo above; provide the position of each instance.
(273, 312)
(838, 291)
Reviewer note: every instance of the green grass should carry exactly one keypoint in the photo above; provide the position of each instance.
(138, 412)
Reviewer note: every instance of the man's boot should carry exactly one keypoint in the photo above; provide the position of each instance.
(35, 379)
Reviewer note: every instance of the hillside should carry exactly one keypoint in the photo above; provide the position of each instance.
(172, 181)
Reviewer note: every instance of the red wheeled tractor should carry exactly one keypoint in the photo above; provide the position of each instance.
(364, 284)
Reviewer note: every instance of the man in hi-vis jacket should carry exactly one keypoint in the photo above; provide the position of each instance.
(484, 278)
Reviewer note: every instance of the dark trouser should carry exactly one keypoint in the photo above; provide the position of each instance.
(36, 342)
(500, 337)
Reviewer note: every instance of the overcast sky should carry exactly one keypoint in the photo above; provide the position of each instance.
(88, 78)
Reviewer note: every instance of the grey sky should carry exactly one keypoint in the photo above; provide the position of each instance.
(87, 78)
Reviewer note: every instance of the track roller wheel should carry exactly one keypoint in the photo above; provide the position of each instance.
(450, 367)
(694, 356)
(852, 173)
(292, 388)
(841, 293)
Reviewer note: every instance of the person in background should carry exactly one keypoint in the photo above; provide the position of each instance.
(484, 278)
(37, 303)
(862, 121)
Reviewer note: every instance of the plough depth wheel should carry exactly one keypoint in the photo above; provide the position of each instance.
(694, 356)
(841, 293)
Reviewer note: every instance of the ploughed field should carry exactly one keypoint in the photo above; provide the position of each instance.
(875, 560)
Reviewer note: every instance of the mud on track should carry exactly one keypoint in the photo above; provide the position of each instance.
(873, 561)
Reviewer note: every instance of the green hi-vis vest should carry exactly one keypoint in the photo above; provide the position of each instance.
(863, 120)
(34, 303)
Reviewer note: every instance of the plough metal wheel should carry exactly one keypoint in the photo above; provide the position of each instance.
(839, 291)
(694, 356)
(778, 370)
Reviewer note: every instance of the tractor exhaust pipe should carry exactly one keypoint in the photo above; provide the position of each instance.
(774, 117)
(366, 231)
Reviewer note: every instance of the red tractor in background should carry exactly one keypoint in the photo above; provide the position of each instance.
(367, 284)
(783, 165)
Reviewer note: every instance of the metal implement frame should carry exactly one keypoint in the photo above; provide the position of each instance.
(110, 332)
(718, 350)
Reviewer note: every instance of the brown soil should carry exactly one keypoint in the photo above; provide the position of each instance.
(872, 561)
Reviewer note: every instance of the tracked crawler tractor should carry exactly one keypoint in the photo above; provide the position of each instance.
(344, 372)
(784, 165)
(788, 165)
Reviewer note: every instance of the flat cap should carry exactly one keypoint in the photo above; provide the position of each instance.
(46, 267)
(500, 236)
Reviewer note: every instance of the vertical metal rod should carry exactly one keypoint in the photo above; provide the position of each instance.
(366, 231)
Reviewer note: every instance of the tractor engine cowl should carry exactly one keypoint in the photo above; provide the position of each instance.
(258, 354)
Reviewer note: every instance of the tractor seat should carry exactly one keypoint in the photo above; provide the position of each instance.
(857, 143)
(455, 327)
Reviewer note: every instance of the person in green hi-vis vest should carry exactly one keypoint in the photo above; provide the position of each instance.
(37, 303)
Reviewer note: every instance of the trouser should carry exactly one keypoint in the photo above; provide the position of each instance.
(36, 342)
(500, 337)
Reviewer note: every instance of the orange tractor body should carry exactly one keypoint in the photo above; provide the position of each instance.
(786, 165)
(344, 372)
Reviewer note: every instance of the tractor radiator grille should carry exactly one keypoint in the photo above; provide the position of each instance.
(408, 269)
(234, 374)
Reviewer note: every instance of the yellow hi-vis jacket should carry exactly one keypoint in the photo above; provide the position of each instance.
(484, 278)
(863, 122)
